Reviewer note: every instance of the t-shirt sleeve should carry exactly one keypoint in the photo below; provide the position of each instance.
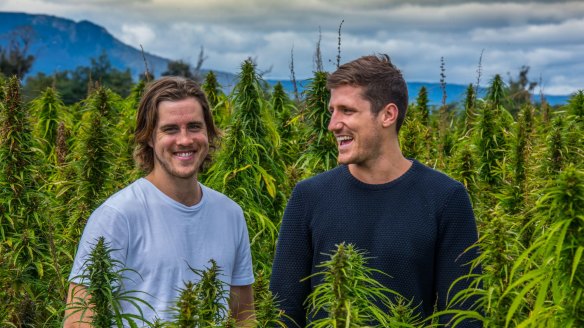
(293, 262)
(243, 269)
(104, 222)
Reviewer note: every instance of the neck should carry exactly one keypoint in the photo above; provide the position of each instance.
(185, 191)
(383, 170)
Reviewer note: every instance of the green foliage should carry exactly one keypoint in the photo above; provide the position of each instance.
(576, 105)
(75, 85)
(422, 106)
(179, 68)
(320, 143)
(93, 156)
(469, 107)
(220, 105)
(413, 135)
(266, 306)
(67, 145)
(101, 277)
(201, 304)
(348, 294)
(248, 167)
(22, 233)
(15, 59)
(48, 111)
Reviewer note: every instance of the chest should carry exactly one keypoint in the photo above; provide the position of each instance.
(389, 228)
(166, 245)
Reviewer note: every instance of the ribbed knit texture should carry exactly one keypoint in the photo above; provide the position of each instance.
(414, 228)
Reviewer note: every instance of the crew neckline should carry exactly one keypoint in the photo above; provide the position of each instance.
(176, 204)
(382, 186)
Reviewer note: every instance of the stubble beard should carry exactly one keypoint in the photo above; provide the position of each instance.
(167, 168)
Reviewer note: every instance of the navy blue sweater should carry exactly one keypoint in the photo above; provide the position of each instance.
(414, 229)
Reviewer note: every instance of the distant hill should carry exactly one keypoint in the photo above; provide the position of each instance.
(61, 44)
(455, 92)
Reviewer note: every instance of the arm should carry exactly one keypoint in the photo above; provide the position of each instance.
(457, 233)
(292, 263)
(241, 305)
(75, 316)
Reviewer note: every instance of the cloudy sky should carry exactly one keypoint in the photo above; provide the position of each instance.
(547, 36)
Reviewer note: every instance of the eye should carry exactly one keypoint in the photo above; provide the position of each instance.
(195, 127)
(169, 129)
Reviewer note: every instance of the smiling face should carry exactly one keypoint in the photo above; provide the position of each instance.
(180, 140)
(361, 139)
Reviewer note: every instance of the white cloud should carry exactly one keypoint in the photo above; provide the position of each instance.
(545, 35)
(136, 35)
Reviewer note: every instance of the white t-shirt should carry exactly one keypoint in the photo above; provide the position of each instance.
(159, 238)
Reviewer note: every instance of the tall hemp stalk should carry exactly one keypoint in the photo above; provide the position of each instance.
(49, 113)
(469, 107)
(202, 304)
(555, 280)
(248, 167)
(321, 154)
(22, 227)
(94, 155)
(124, 170)
(288, 128)
(220, 105)
(490, 133)
(348, 294)
(414, 131)
(102, 278)
(267, 312)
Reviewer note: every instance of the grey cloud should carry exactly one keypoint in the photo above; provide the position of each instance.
(542, 34)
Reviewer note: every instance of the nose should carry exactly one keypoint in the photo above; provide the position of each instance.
(334, 123)
(184, 137)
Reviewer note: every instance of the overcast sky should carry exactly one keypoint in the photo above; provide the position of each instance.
(547, 36)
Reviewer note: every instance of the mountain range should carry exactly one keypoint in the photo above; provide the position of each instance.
(62, 44)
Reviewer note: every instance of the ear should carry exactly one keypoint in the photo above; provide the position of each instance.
(389, 115)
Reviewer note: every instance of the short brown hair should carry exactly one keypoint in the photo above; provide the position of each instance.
(168, 88)
(382, 82)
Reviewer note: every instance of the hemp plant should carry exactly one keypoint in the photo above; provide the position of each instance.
(248, 167)
(220, 106)
(102, 278)
(94, 155)
(22, 225)
(288, 125)
(321, 154)
(47, 110)
(550, 271)
(414, 134)
(267, 312)
(201, 304)
(348, 292)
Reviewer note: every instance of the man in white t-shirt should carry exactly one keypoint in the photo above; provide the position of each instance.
(166, 223)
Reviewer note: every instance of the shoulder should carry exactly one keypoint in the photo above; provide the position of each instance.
(434, 180)
(323, 180)
(216, 198)
(132, 196)
(436, 187)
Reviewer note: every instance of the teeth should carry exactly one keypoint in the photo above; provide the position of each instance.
(184, 154)
(344, 138)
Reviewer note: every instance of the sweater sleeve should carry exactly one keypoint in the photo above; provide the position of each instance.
(457, 233)
(293, 262)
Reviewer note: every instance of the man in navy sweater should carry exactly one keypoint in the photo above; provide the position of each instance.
(414, 222)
